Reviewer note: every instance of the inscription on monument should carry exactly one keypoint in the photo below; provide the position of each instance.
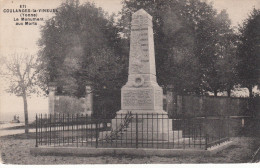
(137, 98)
(139, 29)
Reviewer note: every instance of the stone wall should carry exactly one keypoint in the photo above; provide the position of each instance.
(69, 105)
(190, 106)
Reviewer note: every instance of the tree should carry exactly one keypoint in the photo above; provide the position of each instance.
(81, 46)
(248, 51)
(70, 42)
(219, 62)
(21, 74)
(200, 17)
(186, 34)
(227, 63)
(172, 38)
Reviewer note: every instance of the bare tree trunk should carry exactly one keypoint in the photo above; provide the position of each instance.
(25, 113)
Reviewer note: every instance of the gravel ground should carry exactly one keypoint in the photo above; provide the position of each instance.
(15, 150)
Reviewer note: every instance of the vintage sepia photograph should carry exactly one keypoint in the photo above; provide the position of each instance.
(129, 82)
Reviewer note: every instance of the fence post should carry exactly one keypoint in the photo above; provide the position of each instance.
(54, 129)
(41, 130)
(228, 127)
(96, 132)
(36, 122)
(219, 129)
(63, 129)
(46, 129)
(206, 141)
(77, 129)
(136, 130)
(50, 128)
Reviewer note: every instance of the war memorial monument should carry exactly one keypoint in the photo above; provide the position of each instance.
(142, 96)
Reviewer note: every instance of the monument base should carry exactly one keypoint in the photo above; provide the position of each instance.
(144, 125)
(143, 112)
(151, 136)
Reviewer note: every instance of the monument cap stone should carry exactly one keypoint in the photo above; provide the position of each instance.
(142, 12)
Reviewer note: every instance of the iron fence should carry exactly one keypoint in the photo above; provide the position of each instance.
(130, 131)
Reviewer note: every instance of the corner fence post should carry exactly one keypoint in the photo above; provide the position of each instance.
(136, 130)
(36, 122)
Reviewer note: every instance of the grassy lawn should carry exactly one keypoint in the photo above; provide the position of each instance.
(15, 150)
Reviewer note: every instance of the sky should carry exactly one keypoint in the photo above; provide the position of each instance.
(23, 38)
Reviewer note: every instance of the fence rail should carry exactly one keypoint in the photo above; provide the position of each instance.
(130, 131)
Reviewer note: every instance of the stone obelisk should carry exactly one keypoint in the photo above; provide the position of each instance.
(141, 94)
